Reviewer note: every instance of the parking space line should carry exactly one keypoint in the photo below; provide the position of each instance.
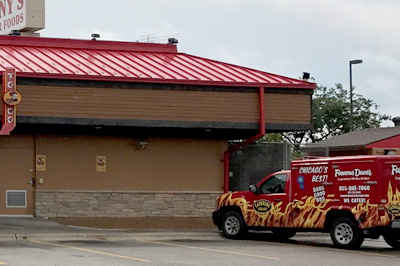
(90, 251)
(365, 253)
(209, 249)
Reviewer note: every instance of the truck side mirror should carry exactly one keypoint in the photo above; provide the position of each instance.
(253, 188)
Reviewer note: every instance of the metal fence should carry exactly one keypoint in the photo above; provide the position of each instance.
(314, 149)
(251, 163)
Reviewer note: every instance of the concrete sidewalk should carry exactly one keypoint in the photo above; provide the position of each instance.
(38, 228)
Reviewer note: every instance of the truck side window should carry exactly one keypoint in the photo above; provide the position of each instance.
(275, 184)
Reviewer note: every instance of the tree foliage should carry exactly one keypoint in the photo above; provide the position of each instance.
(272, 137)
(331, 115)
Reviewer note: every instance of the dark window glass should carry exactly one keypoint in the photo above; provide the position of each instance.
(275, 184)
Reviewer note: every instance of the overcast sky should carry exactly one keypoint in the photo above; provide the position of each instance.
(285, 37)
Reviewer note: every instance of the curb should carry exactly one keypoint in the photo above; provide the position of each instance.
(104, 236)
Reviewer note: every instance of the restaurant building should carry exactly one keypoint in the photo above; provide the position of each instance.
(128, 129)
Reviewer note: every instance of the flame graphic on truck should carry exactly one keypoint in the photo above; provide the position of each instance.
(367, 214)
(307, 213)
(304, 213)
(393, 200)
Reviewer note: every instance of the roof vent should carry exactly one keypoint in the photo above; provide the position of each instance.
(95, 36)
(172, 41)
(15, 33)
(396, 121)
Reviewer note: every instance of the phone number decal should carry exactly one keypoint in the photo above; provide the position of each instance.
(355, 188)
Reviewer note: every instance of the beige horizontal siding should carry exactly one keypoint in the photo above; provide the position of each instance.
(168, 105)
(288, 108)
(136, 104)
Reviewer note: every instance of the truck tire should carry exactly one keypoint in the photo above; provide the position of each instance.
(392, 238)
(346, 234)
(283, 233)
(233, 225)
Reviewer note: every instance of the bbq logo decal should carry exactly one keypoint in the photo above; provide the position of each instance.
(262, 206)
(12, 98)
(394, 209)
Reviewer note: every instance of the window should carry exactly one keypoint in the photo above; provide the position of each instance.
(275, 184)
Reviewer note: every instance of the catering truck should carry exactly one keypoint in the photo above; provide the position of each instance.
(352, 198)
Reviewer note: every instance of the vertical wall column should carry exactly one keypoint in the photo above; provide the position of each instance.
(234, 148)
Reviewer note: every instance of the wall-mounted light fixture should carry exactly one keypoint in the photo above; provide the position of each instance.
(172, 41)
(141, 145)
(95, 36)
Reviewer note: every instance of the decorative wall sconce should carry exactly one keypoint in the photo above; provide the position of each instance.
(141, 145)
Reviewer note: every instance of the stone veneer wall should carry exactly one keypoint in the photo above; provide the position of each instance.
(67, 203)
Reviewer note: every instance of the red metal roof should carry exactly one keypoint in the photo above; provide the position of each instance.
(128, 62)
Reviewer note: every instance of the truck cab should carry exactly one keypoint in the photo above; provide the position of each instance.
(351, 197)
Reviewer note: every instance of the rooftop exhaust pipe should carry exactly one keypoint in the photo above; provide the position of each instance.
(15, 33)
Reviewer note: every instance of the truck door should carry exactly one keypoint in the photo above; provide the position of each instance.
(312, 189)
(269, 204)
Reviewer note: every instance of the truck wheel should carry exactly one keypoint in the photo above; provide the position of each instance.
(233, 225)
(283, 234)
(346, 234)
(392, 238)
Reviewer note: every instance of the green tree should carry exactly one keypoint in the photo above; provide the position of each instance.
(331, 115)
(271, 137)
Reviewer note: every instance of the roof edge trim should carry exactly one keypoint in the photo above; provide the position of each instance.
(165, 81)
(87, 44)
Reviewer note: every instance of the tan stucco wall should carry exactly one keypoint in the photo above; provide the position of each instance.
(16, 170)
(165, 164)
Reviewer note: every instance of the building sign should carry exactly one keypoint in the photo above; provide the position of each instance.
(41, 163)
(10, 98)
(101, 163)
(22, 15)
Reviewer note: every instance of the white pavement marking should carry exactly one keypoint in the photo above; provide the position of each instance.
(89, 250)
(210, 249)
(365, 253)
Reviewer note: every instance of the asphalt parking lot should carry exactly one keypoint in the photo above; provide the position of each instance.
(75, 246)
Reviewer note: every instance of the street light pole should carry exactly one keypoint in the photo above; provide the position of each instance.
(352, 62)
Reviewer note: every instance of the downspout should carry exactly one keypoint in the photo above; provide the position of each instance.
(34, 177)
(234, 148)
